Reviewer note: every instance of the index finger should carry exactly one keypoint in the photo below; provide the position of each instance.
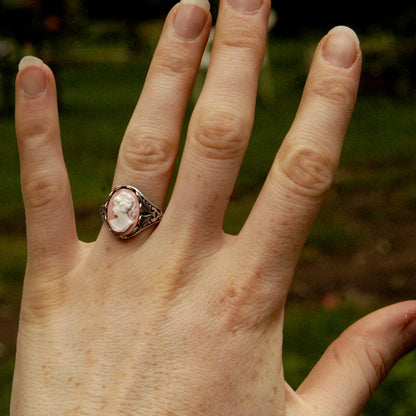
(308, 158)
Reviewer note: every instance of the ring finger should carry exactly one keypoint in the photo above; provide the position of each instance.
(149, 147)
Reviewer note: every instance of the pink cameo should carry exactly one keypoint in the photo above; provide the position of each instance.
(123, 211)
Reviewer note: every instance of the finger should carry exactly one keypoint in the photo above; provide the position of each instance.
(148, 151)
(306, 163)
(353, 367)
(222, 120)
(45, 185)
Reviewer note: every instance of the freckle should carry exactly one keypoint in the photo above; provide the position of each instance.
(70, 380)
(337, 357)
(107, 249)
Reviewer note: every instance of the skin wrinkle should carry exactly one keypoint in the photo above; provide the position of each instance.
(151, 154)
(307, 169)
(188, 320)
(332, 89)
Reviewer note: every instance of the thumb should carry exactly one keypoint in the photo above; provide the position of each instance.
(353, 367)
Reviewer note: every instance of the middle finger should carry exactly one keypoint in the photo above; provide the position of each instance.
(221, 124)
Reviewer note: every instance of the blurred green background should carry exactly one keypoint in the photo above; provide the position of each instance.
(361, 252)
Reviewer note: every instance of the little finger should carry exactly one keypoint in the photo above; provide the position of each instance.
(46, 190)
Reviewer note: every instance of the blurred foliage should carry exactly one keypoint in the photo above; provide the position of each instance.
(398, 18)
(389, 65)
(6, 376)
(378, 159)
(295, 19)
(390, 55)
(128, 9)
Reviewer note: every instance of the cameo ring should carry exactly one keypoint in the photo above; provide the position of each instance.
(127, 212)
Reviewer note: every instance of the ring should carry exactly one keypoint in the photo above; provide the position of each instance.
(127, 212)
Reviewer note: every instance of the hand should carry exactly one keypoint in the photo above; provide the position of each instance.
(183, 319)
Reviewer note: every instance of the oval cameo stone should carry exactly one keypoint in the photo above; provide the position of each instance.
(123, 211)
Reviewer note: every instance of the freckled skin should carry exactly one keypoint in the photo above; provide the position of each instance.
(184, 319)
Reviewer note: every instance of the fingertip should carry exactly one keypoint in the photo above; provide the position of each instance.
(191, 18)
(28, 61)
(347, 31)
(393, 328)
(409, 326)
(32, 78)
(203, 4)
(341, 47)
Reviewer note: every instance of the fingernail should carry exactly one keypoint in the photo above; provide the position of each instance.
(245, 6)
(32, 79)
(341, 47)
(191, 18)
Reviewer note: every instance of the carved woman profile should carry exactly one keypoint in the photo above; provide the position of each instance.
(125, 207)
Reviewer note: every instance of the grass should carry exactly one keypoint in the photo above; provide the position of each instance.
(378, 161)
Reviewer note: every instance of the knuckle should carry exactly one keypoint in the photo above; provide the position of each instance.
(333, 89)
(308, 171)
(370, 362)
(220, 135)
(45, 298)
(243, 36)
(250, 301)
(148, 154)
(44, 190)
(367, 356)
(377, 363)
(177, 64)
(37, 128)
(246, 41)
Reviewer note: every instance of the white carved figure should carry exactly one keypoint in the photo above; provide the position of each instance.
(124, 211)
